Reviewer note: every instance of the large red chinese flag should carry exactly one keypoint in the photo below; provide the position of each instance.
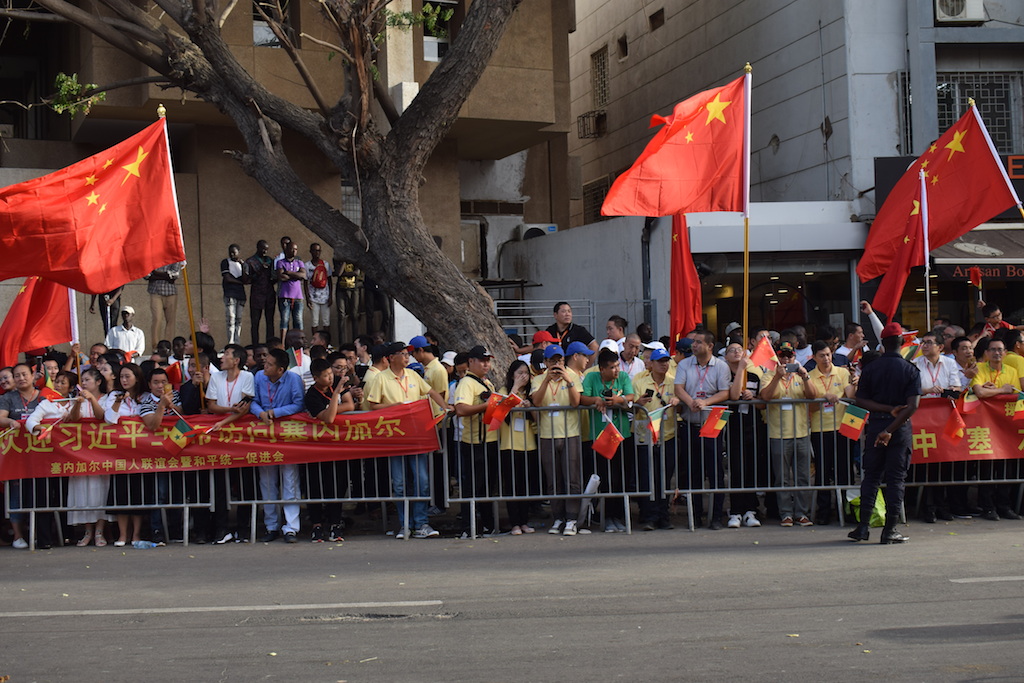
(97, 224)
(909, 253)
(687, 306)
(39, 316)
(967, 185)
(694, 163)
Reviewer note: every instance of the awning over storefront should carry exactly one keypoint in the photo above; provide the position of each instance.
(998, 249)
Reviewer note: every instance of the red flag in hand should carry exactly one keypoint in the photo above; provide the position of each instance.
(974, 275)
(97, 224)
(607, 442)
(39, 316)
(715, 423)
(501, 411)
(764, 355)
(967, 186)
(955, 426)
(694, 163)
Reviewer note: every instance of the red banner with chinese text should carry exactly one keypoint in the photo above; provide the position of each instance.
(90, 447)
(991, 432)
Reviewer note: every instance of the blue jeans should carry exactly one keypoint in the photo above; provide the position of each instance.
(419, 486)
(292, 307)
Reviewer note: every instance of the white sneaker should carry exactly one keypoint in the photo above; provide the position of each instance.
(570, 528)
(426, 531)
(556, 528)
(750, 519)
(734, 522)
(20, 544)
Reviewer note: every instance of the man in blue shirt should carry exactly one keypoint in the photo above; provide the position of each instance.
(279, 394)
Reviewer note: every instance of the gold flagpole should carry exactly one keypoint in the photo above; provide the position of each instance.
(746, 206)
(161, 112)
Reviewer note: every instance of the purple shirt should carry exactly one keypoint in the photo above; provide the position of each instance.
(290, 289)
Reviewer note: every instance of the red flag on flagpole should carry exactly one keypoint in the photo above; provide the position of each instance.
(97, 224)
(694, 163)
(910, 253)
(687, 307)
(967, 186)
(39, 316)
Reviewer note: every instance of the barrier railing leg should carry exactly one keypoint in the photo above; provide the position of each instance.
(628, 515)
(472, 518)
(840, 506)
(252, 523)
(32, 531)
(185, 509)
(689, 509)
(60, 528)
(405, 525)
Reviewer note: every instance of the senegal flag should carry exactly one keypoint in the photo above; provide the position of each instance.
(715, 423)
(178, 437)
(853, 422)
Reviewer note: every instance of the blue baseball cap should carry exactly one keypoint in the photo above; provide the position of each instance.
(578, 347)
(552, 351)
(418, 342)
(659, 354)
(684, 344)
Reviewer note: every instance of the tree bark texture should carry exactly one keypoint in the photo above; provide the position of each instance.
(393, 245)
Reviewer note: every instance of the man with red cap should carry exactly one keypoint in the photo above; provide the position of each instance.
(890, 388)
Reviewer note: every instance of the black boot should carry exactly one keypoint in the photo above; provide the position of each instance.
(889, 533)
(861, 533)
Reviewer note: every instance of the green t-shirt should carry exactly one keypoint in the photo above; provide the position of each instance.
(593, 385)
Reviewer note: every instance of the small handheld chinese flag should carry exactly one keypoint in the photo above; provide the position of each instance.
(607, 442)
(764, 355)
(492, 403)
(174, 374)
(955, 426)
(853, 422)
(715, 423)
(974, 276)
(502, 410)
(50, 394)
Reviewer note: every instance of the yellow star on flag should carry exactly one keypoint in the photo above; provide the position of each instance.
(90, 180)
(93, 198)
(924, 164)
(103, 208)
(689, 136)
(917, 208)
(133, 168)
(715, 108)
(109, 163)
(935, 179)
(956, 144)
(932, 149)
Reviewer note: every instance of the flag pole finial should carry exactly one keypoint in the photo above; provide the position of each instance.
(970, 101)
(747, 69)
(161, 110)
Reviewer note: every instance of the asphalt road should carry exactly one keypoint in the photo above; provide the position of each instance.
(767, 604)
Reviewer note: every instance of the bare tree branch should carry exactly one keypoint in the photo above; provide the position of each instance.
(29, 15)
(132, 14)
(342, 52)
(227, 11)
(174, 9)
(300, 66)
(410, 143)
(103, 28)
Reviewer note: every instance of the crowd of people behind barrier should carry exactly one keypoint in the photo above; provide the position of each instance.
(783, 437)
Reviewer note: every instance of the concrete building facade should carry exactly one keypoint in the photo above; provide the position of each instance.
(837, 84)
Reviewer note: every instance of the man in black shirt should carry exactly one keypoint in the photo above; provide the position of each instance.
(567, 332)
(890, 389)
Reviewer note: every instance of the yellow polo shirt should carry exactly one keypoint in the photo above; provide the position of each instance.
(826, 418)
(467, 392)
(662, 393)
(371, 374)
(790, 420)
(559, 424)
(1005, 376)
(388, 389)
(517, 433)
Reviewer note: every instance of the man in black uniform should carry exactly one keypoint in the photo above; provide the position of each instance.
(890, 389)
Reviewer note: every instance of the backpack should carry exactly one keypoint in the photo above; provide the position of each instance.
(319, 279)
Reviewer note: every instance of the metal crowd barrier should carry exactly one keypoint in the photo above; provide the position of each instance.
(558, 470)
(155, 494)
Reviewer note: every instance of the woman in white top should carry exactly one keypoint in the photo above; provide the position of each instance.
(123, 401)
(89, 491)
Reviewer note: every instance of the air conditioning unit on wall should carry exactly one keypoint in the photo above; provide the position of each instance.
(959, 12)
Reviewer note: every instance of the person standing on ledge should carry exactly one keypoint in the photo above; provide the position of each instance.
(890, 388)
